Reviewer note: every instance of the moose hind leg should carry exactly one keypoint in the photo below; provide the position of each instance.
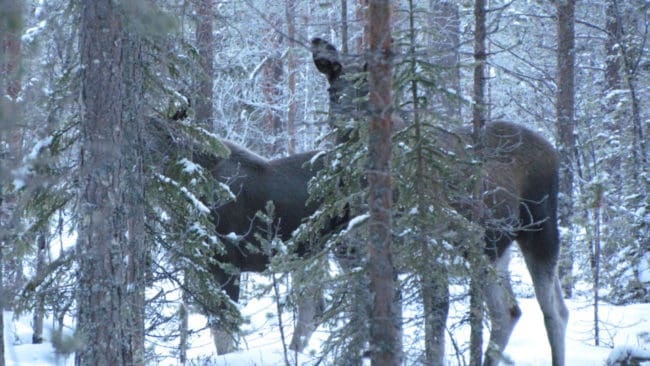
(224, 340)
(543, 271)
(435, 300)
(502, 309)
(310, 310)
(223, 327)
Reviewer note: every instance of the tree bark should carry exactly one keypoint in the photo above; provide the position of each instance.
(10, 143)
(184, 327)
(629, 69)
(39, 311)
(204, 114)
(565, 127)
(445, 44)
(205, 46)
(2, 310)
(10, 29)
(110, 246)
(476, 311)
(291, 76)
(480, 58)
(479, 111)
(344, 27)
(361, 15)
(132, 188)
(613, 64)
(384, 324)
(611, 95)
(273, 71)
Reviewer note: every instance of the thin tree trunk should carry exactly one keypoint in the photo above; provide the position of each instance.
(204, 113)
(205, 46)
(344, 27)
(11, 138)
(384, 324)
(273, 71)
(565, 126)
(133, 194)
(445, 44)
(596, 262)
(434, 287)
(476, 312)
(617, 43)
(639, 150)
(611, 95)
(435, 303)
(639, 143)
(291, 76)
(361, 15)
(479, 110)
(184, 326)
(2, 307)
(613, 65)
(39, 311)
(10, 29)
(621, 69)
(480, 59)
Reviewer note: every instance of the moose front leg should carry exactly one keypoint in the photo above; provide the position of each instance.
(224, 325)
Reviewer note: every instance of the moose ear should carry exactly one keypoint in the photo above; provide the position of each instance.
(326, 58)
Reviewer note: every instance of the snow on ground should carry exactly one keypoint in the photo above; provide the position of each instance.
(528, 346)
(18, 348)
(620, 326)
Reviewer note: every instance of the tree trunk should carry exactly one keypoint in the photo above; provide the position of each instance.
(435, 303)
(361, 15)
(184, 326)
(205, 46)
(204, 114)
(10, 30)
(476, 311)
(272, 72)
(630, 67)
(291, 76)
(479, 110)
(613, 64)
(2, 309)
(480, 59)
(595, 263)
(434, 286)
(11, 139)
(110, 246)
(445, 44)
(565, 126)
(344, 27)
(613, 84)
(621, 73)
(39, 311)
(384, 324)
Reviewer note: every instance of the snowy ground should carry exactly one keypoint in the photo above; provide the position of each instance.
(621, 326)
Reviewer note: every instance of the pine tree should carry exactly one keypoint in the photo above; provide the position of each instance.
(385, 343)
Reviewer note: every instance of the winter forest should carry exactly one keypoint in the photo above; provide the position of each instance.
(330, 182)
